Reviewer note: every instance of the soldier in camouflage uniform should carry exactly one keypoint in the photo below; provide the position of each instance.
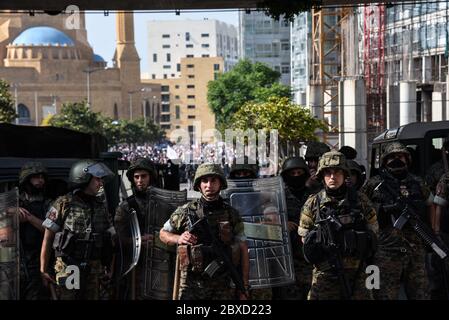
(356, 217)
(313, 153)
(80, 230)
(295, 173)
(401, 253)
(141, 174)
(438, 289)
(436, 170)
(33, 205)
(195, 252)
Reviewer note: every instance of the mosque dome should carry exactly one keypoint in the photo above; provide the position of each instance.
(43, 35)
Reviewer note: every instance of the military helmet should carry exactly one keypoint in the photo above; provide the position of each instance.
(82, 171)
(209, 169)
(354, 166)
(235, 167)
(141, 164)
(316, 149)
(29, 169)
(332, 159)
(294, 163)
(395, 147)
(349, 152)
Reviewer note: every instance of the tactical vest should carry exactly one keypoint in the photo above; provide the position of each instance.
(389, 189)
(352, 237)
(202, 255)
(84, 235)
(30, 237)
(294, 206)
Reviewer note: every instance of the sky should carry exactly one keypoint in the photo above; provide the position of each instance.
(101, 29)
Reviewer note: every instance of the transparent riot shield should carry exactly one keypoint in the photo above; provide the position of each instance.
(158, 258)
(9, 246)
(261, 204)
(130, 242)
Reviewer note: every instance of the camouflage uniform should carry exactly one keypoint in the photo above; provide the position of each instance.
(295, 200)
(225, 224)
(401, 253)
(354, 213)
(83, 238)
(31, 286)
(436, 278)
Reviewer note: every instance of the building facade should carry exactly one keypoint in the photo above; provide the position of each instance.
(170, 41)
(266, 40)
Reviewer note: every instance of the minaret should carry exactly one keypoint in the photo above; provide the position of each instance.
(127, 60)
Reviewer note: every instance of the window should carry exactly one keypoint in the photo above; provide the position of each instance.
(189, 56)
(191, 117)
(168, 57)
(190, 65)
(24, 113)
(191, 106)
(205, 45)
(191, 76)
(177, 86)
(204, 35)
(216, 67)
(165, 88)
(178, 67)
(115, 111)
(167, 66)
(190, 86)
(177, 97)
(191, 96)
(178, 112)
(154, 57)
(285, 46)
(165, 97)
(189, 45)
(177, 127)
(165, 36)
(165, 76)
(165, 127)
(173, 75)
(165, 118)
(153, 76)
(165, 46)
(205, 56)
(285, 69)
(165, 108)
(187, 36)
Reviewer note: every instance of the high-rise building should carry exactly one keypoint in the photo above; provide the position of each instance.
(266, 40)
(170, 41)
(300, 39)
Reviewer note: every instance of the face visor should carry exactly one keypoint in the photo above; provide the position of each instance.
(100, 170)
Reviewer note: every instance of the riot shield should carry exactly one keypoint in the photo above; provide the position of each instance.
(9, 246)
(130, 242)
(261, 204)
(158, 258)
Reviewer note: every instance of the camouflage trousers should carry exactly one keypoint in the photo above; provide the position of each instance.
(194, 286)
(91, 286)
(261, 294)
(402, 265)
(326, 285)
(301, 287)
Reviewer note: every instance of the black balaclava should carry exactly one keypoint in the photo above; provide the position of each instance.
(397, 168)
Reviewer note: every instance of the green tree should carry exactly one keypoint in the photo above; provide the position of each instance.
(132, 132)
(78, 116)
(247, 81)
(294, 123)
(7, 112)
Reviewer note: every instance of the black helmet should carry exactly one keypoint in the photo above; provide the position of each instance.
(349, 152)
(246, 166)
(141, 164)
(82, 171)
(29, 169)
(294, 163)
(316, 149)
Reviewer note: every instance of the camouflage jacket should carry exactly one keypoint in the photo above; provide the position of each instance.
(379, 190)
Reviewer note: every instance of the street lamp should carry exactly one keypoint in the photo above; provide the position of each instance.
(89, 71)
(146, 89)
(130, 93)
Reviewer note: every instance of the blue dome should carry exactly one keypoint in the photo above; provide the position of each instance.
(43, 36)
(98, 58)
